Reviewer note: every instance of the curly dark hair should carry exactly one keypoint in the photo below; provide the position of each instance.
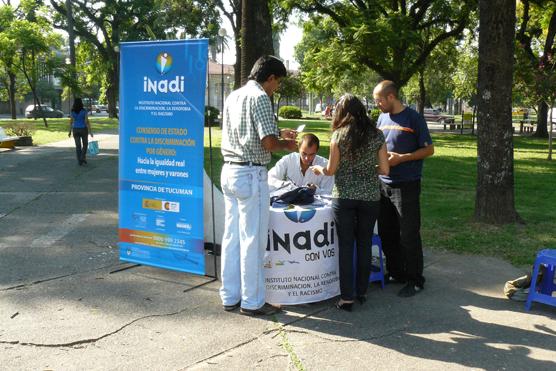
(352, 114)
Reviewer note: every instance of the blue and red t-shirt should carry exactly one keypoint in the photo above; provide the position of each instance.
(405, 132)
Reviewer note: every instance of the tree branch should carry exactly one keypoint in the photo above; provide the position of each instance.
(430, 47)
(403, 7)
(376, 67)
(548, 45)
(359, 4)
(99, 22)
(525, 39)
(317, 6)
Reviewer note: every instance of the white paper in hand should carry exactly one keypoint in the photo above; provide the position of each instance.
(300, 128)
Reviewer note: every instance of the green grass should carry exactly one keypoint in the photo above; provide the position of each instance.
(58, 128)
(448, 195)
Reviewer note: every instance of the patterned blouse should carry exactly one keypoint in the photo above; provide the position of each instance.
(357, 179)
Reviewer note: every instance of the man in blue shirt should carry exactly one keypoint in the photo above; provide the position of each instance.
(408, 142)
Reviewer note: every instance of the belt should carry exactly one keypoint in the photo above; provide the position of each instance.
(244, 163)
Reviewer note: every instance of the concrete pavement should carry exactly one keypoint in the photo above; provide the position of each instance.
(67, 303)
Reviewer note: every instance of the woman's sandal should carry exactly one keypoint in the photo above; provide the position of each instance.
(344, 306)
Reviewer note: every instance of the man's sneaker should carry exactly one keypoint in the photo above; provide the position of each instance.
(265, 310)
(410, 289)
(229, 308)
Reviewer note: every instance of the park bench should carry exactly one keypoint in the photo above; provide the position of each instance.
(6, 141)
(526, 126)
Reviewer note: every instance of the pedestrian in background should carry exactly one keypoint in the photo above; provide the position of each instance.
(81, 128)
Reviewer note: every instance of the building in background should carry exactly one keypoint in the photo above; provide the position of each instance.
(213, 94)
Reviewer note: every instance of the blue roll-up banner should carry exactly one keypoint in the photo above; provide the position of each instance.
(162, 105)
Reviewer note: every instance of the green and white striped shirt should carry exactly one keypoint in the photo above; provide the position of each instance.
(248, 118)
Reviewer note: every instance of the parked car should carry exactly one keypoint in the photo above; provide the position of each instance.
(434, 115)
(32, 112)
(98, 108)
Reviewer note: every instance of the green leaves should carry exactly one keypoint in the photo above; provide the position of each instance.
(394, 39)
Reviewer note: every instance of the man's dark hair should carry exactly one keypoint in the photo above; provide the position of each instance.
(265, 66)
(311, 140)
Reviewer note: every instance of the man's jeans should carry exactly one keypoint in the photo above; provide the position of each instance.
(399, 227)
(246, 201)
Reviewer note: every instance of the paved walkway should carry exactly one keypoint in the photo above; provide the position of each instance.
(67, 303)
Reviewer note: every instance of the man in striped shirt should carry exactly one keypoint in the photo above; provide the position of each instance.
(249, 135)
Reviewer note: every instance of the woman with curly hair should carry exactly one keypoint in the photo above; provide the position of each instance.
(357, 156)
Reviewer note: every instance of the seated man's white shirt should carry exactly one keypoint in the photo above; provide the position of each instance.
(286, 175)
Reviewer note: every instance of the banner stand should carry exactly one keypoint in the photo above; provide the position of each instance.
(212, 251)
(161, 166)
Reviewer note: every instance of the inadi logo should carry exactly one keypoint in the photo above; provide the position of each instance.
(300, 215)
(163, 63)
(163, 66)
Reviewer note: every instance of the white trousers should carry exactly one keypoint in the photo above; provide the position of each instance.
(246, 201)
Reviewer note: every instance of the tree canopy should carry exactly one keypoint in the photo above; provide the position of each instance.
(392, 38)
(104, 24)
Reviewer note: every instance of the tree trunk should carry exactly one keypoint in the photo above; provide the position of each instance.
(495, 169)
(550, 131)
(32, 86)
(11, 94)
(71, 41)
(112, 92)
(237, 37)
(256, 34)
(237, 65)
(542, 116)
(113, 88)
(422, 93)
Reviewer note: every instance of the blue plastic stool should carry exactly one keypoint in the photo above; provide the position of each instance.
(543, 293)
(377, 274)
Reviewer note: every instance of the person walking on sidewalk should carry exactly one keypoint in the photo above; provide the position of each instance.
(409, 142)
(249, 135)
(81, 128)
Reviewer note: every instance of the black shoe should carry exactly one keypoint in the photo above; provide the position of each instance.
(80, 163)
(361, 299)
(229, 308)
(265, 310)
(410, 290)
(84, 161)
(344, 306)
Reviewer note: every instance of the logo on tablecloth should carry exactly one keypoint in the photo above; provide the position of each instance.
(300, 215)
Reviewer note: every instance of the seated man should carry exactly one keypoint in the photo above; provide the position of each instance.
(291, 172)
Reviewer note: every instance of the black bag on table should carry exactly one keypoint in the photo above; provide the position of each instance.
(298, 196)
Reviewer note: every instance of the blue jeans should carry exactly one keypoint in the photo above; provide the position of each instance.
(246, 202)
(80, 136)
